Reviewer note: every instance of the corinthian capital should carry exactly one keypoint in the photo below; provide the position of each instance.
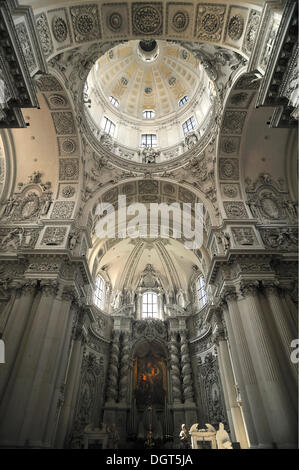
(271, 287)
(218, 336)
(68, 294)
(229, 293)
(249, 288)
(49, 287)
(26, 288)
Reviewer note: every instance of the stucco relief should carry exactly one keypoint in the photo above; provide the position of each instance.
(85, 20)
(210, 19)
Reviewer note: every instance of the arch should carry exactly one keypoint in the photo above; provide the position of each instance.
(240, 162)
(224, 24)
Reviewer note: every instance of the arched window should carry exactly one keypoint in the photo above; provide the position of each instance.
(148, 114)
(201, 292)
(148, 140)
(99, 293)
(183, 101)
(114, 101)
(149, 305)
(108, 126)
(189, 125)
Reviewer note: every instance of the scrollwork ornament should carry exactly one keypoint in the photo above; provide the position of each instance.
(147, 18)
(271, 288)
(44, 34)
(59, 28)
(114, 21)
(235, 27)
(49, 288)
(250, 288)
(230, 294)
(180, 21)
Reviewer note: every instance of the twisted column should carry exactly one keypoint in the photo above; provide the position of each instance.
(112, 390)
(124, 368)
(186, 369)
(175, 369)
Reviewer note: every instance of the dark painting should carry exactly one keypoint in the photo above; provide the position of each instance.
(150, 381)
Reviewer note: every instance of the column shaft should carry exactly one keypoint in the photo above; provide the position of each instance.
(259, 417)
(275, 397)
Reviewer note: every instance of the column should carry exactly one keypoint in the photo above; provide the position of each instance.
(230, 386)
(252, 436)
(124, 368)
(186, 369)
(175, 369)
(15, 329)
(23, 389)
(66, 318)
(225, 391)
(112, 390)
(72, 381)
(285, 332)
(246, 376)
(280, 412)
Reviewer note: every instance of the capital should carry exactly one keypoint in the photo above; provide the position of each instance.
(229, 294)
(49, 288)
(249, 288)
(271, 287)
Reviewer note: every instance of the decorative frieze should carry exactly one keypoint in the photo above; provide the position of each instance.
(244, 236)
(209, 22)
(235, 210)
(59, 21)
(69, 169)
(26, 46)
(115, 19)
(62, 210)
(63, 122)
(229, 169)
(251, 31)
(67, 146)
(44, 33)
(147, 18)
(179, 17)
(285, 239)
(85, 20)
(48, 83)
(230, 191)
(235, 27)
(54, 236)
(233, 122)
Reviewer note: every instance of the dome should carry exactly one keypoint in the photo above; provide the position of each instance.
(149, 88)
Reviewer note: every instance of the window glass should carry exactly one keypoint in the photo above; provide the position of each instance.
(108, 126)
(114, 101)
(183, 101)
(99, 292)
(148, 140)
(189, 125)
(149, 305)
(201, 292)
(148, 114)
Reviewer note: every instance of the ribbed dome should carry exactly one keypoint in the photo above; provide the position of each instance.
(148, 75)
